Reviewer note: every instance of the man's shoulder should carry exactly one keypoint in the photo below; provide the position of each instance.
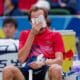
(55, 33)
(25, 32)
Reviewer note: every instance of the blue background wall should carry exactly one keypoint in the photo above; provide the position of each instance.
(57, 23)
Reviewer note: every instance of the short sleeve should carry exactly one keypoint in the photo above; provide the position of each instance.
(22, 39)
(58, 43)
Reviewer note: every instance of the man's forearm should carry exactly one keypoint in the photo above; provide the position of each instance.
(58, 59)
(53, 61)
(24, 52)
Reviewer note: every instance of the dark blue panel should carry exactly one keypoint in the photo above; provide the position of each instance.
(75, 25)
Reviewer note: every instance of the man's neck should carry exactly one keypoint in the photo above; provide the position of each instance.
(42, 30)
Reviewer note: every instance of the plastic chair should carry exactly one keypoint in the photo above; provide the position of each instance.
(2, 34)
(66, 68)
(30, 74)
(59, 11)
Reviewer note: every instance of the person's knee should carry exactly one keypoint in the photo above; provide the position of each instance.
(55, 69)
(6, 69)
(9, 69)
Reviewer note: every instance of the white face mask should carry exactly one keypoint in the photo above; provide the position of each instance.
(39, 19)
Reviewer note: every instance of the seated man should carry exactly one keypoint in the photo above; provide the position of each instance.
(39, 40)
(11, 8)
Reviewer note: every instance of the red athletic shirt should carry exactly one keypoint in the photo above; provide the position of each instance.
(47, 43)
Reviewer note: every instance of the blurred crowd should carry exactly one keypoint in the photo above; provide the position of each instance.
(55, 7)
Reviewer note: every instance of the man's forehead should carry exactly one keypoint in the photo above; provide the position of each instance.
(38, 12)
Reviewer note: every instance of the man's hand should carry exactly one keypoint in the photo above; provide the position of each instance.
(36, 65)
(63, 5)
(36, 28)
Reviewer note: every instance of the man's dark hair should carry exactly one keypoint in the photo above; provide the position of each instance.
(10, 20)
(34, 9)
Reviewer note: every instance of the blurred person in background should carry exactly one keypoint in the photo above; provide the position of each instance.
(11, 8)
(54, 3)
(65, 4)
(78, 7)
(25, 5)
(38, 41)
(43, 4)
(69, 4)
(1, 7)
(9, 28)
